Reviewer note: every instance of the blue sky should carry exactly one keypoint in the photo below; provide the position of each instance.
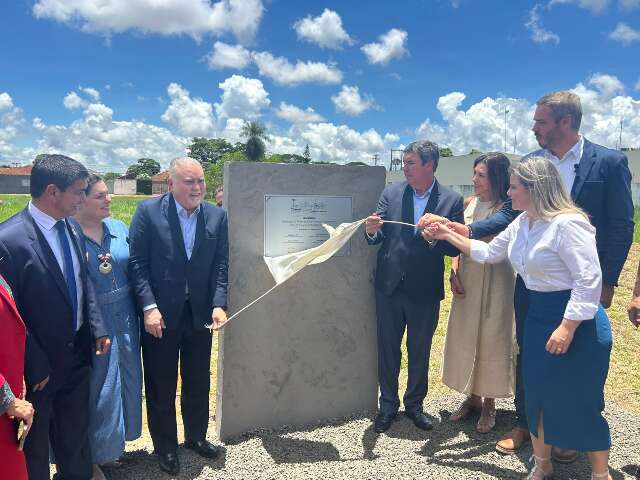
(108, 81)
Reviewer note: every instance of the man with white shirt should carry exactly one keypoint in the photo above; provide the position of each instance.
(178, 266)
(42, 257)
(599, 181)
(409, 280)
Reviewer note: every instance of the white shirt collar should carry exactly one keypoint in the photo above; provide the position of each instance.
(45, 221)
(182, 212)
(575, 153)
(426, 193)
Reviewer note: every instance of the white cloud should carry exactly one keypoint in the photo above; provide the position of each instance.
(283, 72)
(294, 114)
(105, 144)
(92, 92)
(340, 144)
(389, 46)
(11, 123)
(637, 86)
(324, 30)
(350, 101)
(189, 116)
(242, 98)
(167, 17)
(595, 6)
(73, 101)
(624, 34)
(608, 85)
(482, 124)
(224, 55)
(538, 33)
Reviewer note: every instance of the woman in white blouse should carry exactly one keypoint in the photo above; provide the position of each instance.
(567, 339)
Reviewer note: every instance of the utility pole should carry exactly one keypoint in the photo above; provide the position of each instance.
(506, 111)
(375, 158)
(620, 138)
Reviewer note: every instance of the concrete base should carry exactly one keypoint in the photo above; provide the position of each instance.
(306, 352)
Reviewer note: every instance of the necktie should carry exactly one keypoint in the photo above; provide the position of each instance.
(69, 272)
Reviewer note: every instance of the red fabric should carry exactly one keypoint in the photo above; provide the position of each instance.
(12, 338)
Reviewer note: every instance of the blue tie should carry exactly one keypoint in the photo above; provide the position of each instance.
(69, 272)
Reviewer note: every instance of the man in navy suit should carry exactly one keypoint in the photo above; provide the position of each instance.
(600, 183)
(43, 259)
(178, 266)
(409, 280)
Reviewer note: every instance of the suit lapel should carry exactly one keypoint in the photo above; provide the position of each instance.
(174, 224)
(44, 252)
(9, 301)
(433, 199)
(407, 210)
(199, 231)
(584, 168)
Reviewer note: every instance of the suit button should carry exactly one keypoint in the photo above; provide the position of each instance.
(70, 345)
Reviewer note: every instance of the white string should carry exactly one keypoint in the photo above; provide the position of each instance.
(210, 327)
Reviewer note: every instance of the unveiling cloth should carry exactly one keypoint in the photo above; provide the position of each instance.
(480, 346)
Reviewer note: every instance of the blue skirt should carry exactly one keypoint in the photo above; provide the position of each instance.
(567, 390)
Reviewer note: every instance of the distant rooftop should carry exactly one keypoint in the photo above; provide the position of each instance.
(17, 171)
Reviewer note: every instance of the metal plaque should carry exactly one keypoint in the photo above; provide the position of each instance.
(294, 222)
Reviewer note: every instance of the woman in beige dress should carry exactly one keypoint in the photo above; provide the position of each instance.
(479, 353)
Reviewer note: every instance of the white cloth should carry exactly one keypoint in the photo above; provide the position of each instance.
(46, 224)
(554, 255)
(286, 266)
(565, 165)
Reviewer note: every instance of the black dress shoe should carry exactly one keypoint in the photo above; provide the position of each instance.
(382, 422)
(169, 463)
(204, 448)
(420, 420)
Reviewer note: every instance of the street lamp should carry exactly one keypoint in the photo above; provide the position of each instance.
(506, 111)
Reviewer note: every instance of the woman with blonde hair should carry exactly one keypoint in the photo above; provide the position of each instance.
(567, 339)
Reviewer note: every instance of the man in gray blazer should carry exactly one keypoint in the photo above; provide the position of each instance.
(409, 279)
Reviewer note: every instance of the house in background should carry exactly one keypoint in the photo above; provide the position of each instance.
(15, 179)
(160, 183)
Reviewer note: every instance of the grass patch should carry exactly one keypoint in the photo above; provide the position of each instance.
(623, 384)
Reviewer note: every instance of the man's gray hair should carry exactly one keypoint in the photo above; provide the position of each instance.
(180, 161)
(563, 103)
(426, 150)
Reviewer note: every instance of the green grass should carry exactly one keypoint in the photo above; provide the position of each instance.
(623, 384)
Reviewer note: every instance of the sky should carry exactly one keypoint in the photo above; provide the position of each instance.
(111, 81)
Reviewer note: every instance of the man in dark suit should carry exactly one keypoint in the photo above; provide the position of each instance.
(600, 183)
(178, 265)
(409, 280)
(43, 259)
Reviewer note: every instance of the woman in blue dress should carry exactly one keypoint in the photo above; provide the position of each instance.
(567, 336)
(115, 409)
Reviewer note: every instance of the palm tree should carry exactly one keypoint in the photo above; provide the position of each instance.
(256, 135)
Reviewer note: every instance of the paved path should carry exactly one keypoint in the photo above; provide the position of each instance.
(349, 449)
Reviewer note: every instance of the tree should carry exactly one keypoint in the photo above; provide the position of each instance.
(146, 167)
(256, 135)
(109, 176)
(445, 152)
(214, 172)
(210, 150)
(307, 154)
(475, 151)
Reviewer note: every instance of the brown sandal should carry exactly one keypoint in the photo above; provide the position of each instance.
(464, 410)
(487, 420)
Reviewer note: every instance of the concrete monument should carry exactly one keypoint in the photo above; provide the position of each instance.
(307, 351)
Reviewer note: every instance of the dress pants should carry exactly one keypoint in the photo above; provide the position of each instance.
(190, 342)
(521, 306)
(62, 420)
(395, 313)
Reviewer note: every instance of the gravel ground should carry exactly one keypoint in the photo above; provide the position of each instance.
(349, 449)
